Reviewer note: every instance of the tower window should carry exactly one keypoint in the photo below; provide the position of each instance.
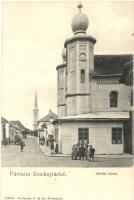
(82, 76)
(113, 99)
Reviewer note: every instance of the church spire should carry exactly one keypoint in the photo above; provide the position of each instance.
(35, 112)
(35, 101)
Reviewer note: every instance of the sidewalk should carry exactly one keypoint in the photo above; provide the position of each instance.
(46, 150)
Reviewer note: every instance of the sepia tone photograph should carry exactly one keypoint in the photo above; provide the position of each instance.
(67, 84)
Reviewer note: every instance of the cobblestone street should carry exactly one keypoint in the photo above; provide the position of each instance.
(32, 156)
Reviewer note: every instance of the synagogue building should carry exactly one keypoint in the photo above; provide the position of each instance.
(94, 97)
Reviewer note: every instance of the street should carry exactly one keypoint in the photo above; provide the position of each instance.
(32, 156)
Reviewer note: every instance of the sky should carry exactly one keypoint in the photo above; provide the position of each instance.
(33, 35)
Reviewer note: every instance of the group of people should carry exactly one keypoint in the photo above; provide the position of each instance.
(81, 151)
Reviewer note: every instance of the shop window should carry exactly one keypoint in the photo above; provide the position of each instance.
(113, 99)
(82, 76)
(116, 135)
(83, 136)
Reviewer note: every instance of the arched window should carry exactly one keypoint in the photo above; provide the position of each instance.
(82, 76)
(113, 99)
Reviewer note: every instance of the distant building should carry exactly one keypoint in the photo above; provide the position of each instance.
(94, 95)
(11, 130)
(4, 129)
(15, 132)
(24, 131)
(45, 127)
(35, 113)
(19, 124)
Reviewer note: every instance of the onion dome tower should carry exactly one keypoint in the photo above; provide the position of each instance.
(80, 22)
(79, 66)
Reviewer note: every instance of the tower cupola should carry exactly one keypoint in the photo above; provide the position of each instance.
(80, 22)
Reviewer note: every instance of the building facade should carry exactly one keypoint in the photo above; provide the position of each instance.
(4, 130)
(93, 103)
(11, 131)
(45, 126)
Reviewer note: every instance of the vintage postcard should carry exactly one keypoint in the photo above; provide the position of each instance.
(67, 100)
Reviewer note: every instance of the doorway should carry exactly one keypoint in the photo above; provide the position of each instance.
(128, 137)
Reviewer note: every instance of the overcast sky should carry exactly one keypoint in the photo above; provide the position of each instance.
(33, 35)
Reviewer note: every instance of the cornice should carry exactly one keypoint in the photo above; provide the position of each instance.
(79, 37)
(77, 94)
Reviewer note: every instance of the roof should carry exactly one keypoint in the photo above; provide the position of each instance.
(19, 124)
(127, 76)
(48, 117)
(97, 116)
(13, 125)
(3, 120)
(111, 64)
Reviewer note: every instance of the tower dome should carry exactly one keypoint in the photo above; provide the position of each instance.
(64, 53)
(80, 22)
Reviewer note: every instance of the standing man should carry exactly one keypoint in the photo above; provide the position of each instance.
(43, 139)
(81, 152)
(52, 147)
(91, 153)
(86, 151)
(22, 144)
